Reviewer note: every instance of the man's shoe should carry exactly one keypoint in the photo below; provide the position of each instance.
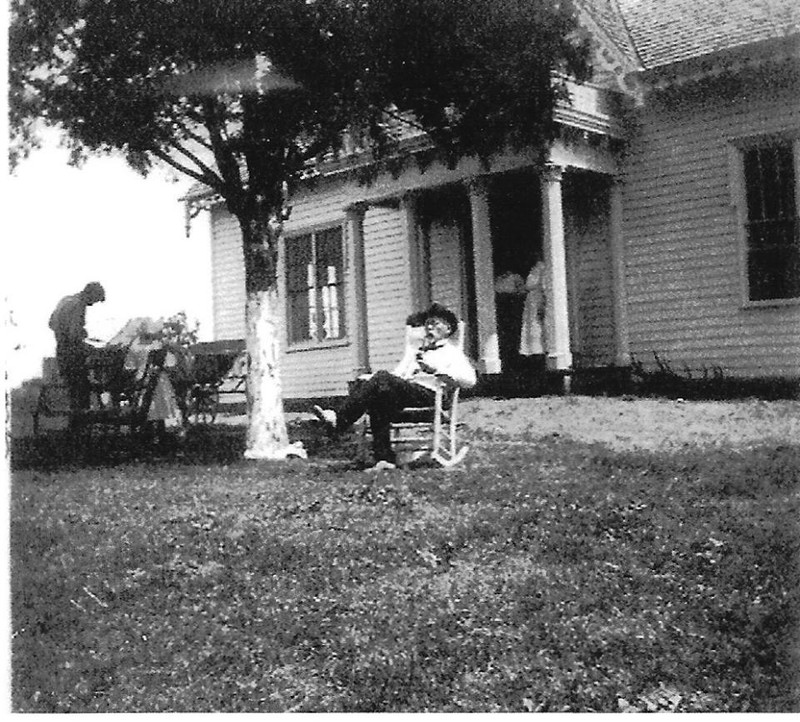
(382, 465)
(326, 416)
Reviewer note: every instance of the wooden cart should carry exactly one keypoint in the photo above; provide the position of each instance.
(120, 397)
(216, 368)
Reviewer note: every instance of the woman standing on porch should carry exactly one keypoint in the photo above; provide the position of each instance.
(533, 337)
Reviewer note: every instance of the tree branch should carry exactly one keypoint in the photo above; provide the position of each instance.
(209, 178)
(226, 162)
(190, 134)
(205, 168)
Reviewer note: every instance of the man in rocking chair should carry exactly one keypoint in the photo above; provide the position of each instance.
(412, 383)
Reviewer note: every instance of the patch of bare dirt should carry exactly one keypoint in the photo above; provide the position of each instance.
(638, 422)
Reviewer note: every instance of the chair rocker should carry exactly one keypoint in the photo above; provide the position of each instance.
(420, 432)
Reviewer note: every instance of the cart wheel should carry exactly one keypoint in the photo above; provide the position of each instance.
(204, 405)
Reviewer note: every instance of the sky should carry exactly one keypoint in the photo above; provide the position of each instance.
(65, 226)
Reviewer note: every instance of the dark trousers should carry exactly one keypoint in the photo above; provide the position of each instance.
(71, 362)
(382, 396)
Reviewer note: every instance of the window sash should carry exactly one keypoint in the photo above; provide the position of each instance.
(315, 286)
(772, 229)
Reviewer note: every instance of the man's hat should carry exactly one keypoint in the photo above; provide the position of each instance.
(437, 310)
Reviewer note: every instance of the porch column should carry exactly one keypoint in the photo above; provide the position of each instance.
(622, 349)
(559, 354)
(357, 288)
(488, 346)
(419, 281)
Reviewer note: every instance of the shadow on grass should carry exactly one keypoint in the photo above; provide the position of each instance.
(209, 444)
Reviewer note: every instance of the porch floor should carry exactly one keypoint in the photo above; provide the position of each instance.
(610, 381)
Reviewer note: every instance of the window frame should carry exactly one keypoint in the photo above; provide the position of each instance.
(317, 343)
(737, 149)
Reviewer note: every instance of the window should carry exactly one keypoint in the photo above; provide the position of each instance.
(772, 229)
(314, 271)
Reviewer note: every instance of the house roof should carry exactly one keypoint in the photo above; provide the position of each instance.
(654, 34)
(669, 31)
(608, 17)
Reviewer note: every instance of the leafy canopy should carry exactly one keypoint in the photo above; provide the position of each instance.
(242, 94)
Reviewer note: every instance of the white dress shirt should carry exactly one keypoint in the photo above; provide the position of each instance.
(445, 358)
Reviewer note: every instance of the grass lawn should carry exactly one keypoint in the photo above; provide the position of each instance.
(547, 573)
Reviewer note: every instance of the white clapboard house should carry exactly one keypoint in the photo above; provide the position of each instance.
(669, 217)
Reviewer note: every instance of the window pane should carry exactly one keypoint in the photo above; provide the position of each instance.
(754, 184)
(299, 329)
(786, 189)
(771, 234)
(298, 256)
(329, 254)
(329, 279)
(331, 323)
(771, 180)
(774, 272)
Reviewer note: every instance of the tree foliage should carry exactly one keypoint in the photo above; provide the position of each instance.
(177, 330)
(243, 95)
(178, 81)
(479, 75)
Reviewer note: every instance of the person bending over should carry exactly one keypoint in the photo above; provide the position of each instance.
(413, 382)
(68, 322)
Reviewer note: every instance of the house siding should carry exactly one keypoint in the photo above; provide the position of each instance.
(388, 284)
(227, 282)
(682, 244)
(589, 277)
(326, 370)
(305, 372)
(446, 266)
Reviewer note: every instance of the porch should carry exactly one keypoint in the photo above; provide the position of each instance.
(465, 231)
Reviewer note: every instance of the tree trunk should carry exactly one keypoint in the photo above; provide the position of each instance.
(267, 437)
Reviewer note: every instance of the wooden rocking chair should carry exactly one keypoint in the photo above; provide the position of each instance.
(429, 431)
